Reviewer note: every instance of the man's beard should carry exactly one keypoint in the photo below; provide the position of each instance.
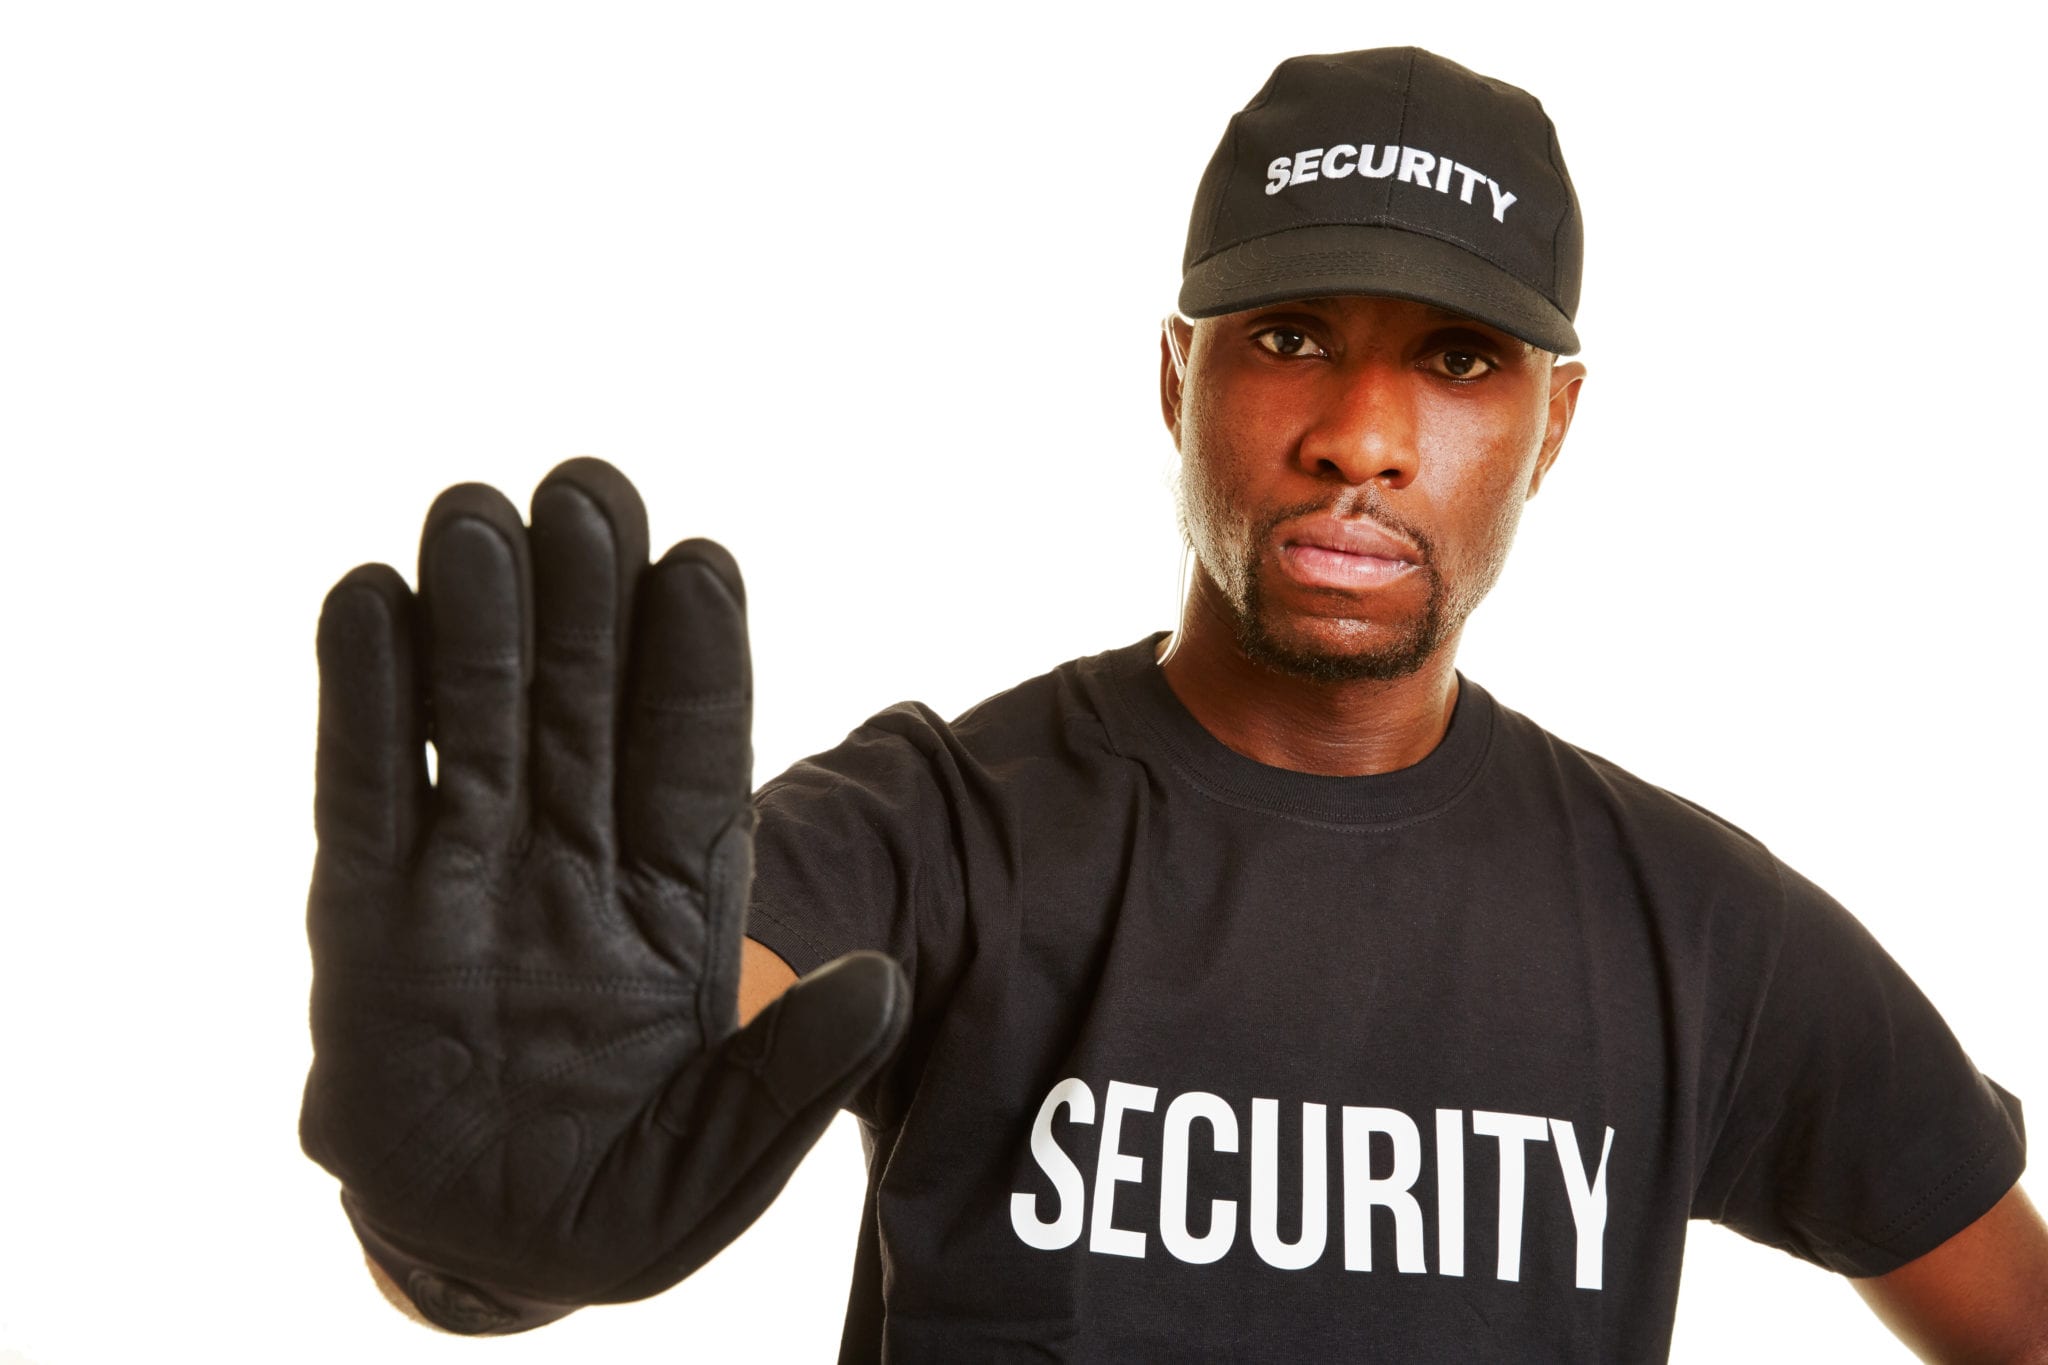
(1381, 662)
(1443, 613)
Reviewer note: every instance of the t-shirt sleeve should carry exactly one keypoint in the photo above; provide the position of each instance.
(856, 848)
(851, 846)
(1858, 1135)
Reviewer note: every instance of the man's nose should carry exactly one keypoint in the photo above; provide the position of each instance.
(1365, 429)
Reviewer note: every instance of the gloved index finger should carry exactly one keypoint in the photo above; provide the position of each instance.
(370, 779)
(687, 761)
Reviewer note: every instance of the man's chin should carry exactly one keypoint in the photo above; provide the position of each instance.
(1316, 657)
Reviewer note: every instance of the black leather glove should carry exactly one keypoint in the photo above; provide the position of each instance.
(526, 1070)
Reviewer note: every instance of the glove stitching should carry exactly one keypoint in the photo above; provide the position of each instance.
(756, 1064)
(697, 705)
(669, 910)
(578, 634)
(601, 908)
(459, 861)
(716, 1017)
(461, 1147)
(487, 660)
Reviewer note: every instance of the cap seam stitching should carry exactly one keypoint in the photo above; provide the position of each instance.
(1229, 178)
(1571, 205)
(1400, 136)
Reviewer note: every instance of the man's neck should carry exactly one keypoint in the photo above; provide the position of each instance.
(1336, 729)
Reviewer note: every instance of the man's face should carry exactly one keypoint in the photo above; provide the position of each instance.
(1352, 472)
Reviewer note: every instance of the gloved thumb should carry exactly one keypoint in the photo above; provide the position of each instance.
(723, 1140)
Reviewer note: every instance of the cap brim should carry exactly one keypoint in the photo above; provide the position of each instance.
(1350, 258)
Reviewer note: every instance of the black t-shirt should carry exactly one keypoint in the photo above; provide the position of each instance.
(1215, 1061)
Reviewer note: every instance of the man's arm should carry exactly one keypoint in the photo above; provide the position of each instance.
(1980, 1296)
(763, 977)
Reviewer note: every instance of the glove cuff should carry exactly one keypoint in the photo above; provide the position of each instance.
(451, 1302)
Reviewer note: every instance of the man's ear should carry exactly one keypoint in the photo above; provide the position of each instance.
(1175, 338)
(1565, 380)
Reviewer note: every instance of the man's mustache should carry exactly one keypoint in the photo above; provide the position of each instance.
(1366, 506)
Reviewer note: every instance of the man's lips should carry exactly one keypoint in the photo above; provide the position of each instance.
(1330, 552)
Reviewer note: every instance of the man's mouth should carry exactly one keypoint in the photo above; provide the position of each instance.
(1331, 552)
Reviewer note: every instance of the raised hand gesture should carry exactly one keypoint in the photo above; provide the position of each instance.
(527, 1071)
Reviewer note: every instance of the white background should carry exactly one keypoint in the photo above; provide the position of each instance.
(871, 295)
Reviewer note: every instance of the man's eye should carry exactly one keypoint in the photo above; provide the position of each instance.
(1287, 341)
(1464, 364)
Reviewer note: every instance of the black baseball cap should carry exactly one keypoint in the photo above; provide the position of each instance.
(1390, 171)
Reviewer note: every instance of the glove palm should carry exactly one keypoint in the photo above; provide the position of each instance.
(527, 1071)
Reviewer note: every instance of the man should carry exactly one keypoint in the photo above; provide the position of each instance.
(1268, 991)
